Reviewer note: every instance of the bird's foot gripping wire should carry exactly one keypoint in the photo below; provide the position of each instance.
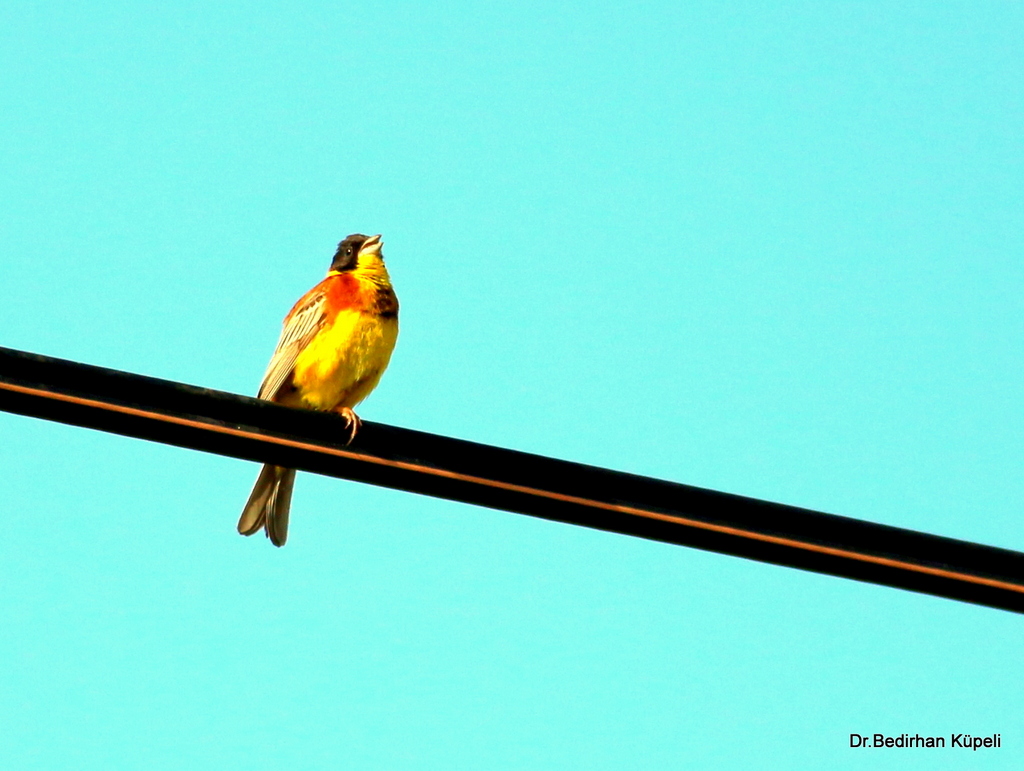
(352, 422)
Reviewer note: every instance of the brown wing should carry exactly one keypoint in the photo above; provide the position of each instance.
(304, 321)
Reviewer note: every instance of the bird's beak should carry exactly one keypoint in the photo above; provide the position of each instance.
(372, 245)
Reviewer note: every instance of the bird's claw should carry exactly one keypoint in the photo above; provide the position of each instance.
(352, 422)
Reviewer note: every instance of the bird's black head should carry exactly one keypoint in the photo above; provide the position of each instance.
(347, 256)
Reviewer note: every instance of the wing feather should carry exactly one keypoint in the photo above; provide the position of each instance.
(305, 320)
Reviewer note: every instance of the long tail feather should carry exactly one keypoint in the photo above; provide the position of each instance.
(269, 504)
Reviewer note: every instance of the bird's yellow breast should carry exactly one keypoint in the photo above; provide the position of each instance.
(344, 361)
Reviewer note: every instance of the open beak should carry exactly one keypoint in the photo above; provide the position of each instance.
(372, 245)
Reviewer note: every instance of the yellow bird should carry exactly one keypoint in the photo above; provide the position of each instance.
(336, 343)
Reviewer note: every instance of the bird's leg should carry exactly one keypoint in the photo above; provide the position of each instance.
(352, 421)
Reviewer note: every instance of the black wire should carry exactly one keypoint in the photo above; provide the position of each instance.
(242, 427)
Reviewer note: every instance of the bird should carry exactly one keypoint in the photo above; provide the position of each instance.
(335, 344)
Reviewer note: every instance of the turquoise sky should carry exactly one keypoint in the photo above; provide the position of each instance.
(768, 248)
